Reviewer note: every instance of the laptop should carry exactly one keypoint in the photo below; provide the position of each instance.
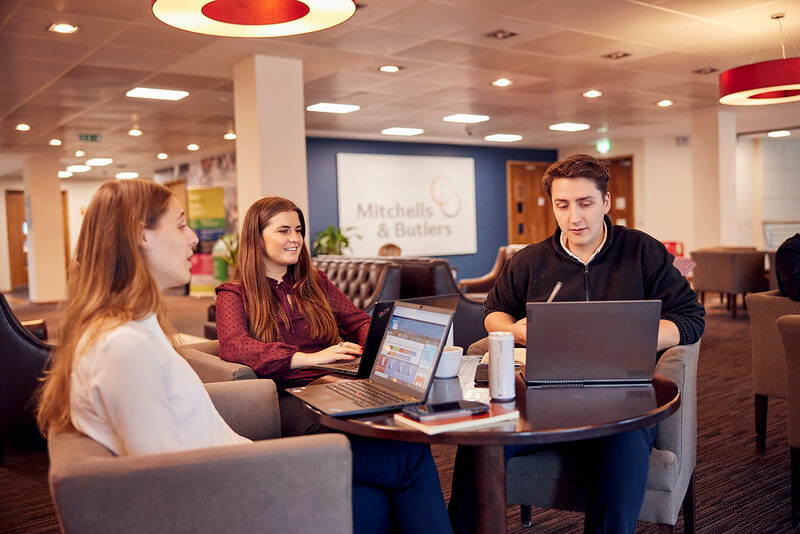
(403, 371)
(592, 343)
(362, 366)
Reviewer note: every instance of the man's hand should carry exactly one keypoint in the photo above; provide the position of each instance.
(503, 322)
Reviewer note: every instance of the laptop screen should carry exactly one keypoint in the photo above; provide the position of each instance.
(411, 347)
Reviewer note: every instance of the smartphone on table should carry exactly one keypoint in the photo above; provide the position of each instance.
(425, 413)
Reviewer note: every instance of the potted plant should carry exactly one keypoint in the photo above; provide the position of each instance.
(332, 240)
(224, 256)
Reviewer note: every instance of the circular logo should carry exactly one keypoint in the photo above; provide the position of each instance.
(445, 195)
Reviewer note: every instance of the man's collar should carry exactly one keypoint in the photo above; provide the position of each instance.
(563, 241)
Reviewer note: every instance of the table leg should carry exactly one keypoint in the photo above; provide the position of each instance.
(490, 486)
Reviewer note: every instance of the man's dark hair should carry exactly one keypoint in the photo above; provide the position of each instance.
(577, 166)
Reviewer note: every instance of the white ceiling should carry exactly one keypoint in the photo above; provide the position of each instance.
(63, 85)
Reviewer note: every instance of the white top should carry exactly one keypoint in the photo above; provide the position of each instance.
(587, 262)
(134, 394)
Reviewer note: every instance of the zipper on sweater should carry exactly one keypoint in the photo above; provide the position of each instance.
(586, 281)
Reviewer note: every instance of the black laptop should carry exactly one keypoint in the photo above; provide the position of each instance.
(362, 366)
(403, 372)
(592, 343)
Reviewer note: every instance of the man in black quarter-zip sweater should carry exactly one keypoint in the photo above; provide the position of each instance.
(594, 260)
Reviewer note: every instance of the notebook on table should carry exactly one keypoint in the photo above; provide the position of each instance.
(592, 343)
(362, 366)
(410, 349)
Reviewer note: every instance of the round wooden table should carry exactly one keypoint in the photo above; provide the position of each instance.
(546, 416)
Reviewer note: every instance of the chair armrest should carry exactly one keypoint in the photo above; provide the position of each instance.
(286, 485)
(678, 432)
(250, 407)
(212, 368)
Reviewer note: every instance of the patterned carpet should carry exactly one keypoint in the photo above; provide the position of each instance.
(736, 490)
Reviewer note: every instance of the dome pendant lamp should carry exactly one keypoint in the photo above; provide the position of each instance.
(253, 18)
(760, 84)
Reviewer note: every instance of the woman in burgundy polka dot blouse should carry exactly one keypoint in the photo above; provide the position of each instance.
(279, 316)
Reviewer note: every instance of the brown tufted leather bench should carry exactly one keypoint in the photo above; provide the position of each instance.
(363, 280)
(483, 284)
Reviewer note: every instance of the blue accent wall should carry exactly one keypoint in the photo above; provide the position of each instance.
(490, 188)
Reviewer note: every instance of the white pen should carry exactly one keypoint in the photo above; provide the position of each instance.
(555, 291)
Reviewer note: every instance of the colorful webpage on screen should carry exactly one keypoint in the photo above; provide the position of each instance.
(409, 351)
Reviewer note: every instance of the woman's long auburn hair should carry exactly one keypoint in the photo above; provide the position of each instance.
(264, 311)
(108, 284)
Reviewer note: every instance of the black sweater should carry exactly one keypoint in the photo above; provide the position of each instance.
(787, 267)
(630, 266)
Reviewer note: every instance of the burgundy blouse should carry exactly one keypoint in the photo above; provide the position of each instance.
(273, 360)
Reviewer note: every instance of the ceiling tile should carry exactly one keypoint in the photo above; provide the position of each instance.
(183, 82)
(161, 38)
(442, 51)
(374, 41)
(429, 19)
(675, 63)
(41, 49)
(565, 43)
(476, 33)
(501, 60)
(110, 56)
(33, 22)
(703, 90)
(124, 10)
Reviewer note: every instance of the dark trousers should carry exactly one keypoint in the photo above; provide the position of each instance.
(616, 477)
(395, 484)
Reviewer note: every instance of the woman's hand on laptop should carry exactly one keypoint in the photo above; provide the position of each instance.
(343, 351)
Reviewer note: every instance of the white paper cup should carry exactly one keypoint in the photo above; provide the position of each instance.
(449, 363)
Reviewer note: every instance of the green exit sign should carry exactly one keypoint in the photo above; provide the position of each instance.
(90, 138)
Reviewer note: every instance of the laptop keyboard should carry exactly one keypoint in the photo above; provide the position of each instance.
(365, 393)
(346, 366)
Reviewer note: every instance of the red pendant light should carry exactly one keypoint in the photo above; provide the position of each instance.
(253, 18)
(759, 84)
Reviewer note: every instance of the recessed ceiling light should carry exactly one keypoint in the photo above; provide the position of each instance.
(402, 131)
(779, 133)
(127, 175)
(135, 132)
(664, 103)
(705, 70)
(55, 142)
(156, 94)
(569, 127)
(466, 118)
(23, 127)
(501, 34)
(592, 93)
(503, 138)
(79, 168)
(616, 55)
(327, 107)
(62, 28)
(162, 155)
(64, 174)
(390, 68)
(193, 147)
(502, 82)
(79, 153)
(230, 136)
(99, 162)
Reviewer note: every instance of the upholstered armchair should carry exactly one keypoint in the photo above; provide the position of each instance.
(544, 479)
(204, 359)
(289, 485)
(729, 271)
(22, 361)
(483, 284)
(769, 364)
(789, 327)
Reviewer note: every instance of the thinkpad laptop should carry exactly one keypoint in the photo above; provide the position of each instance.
(403, 372)
(592, 343)
(362, 366)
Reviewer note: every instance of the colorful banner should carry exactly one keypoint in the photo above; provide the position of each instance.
(207, 218)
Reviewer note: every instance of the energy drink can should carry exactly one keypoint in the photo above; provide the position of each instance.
(501, 366)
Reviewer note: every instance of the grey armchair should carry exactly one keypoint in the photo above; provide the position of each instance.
(769, 364)
(789, 327)
(278, 485)
(204, 359)
(544, 480)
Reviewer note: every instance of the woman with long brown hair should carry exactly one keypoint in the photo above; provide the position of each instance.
(279, 316)
(114, 375)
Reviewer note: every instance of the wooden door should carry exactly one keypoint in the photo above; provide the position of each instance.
(621, 188)
(17, 256)
(530, 216)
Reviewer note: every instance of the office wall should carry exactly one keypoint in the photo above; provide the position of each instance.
(490, 188)
(662, 171)
(771, 169)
